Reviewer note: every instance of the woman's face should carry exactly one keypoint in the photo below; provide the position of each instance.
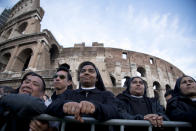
(88, 76)
(137, 87)
(188, 86)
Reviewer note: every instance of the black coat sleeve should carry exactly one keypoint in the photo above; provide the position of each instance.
(181, 111)
(56, 107)
(23, 105)
(107, 109)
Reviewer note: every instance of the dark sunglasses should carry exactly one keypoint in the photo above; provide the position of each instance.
(60, 76)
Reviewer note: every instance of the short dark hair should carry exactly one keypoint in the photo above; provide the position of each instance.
(34, 74)
(61, 68)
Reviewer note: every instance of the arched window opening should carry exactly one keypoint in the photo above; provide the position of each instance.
(124, 55)
(4, 61)
(141, 72)
(53, 53)
(22, 27)
(156, 88)
(167, 87)
(151, 61)
(124, 81)
(113, 80)
(26, 63)
(138, 74)
(22, 60)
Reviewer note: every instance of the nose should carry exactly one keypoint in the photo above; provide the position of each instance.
(28, 85)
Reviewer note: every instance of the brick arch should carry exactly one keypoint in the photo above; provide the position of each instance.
(156, 88)
(22, 60)
(4, 59)
(54, 53)
(141, 71)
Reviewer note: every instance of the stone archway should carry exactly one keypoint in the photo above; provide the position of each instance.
(22, 60)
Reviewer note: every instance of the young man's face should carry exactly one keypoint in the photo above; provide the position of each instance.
(88, 76)
(61, 81)
(32, 85)
(188, 86)
(137, 87)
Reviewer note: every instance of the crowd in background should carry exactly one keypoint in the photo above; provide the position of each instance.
(18, 107)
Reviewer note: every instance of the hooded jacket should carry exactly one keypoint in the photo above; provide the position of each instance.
(181, 107)
(152, 104)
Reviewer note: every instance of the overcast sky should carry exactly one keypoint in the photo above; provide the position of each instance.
(162, 28)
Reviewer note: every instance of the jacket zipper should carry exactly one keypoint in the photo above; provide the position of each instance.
(87, 94)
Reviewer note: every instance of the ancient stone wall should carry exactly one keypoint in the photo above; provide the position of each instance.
(23, 48)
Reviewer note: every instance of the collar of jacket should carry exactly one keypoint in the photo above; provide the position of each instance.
(92, 90)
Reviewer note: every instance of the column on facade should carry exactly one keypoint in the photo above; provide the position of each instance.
(34, 58)
(12, 60)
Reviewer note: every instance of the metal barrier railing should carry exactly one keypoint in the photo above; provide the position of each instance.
(116, 122)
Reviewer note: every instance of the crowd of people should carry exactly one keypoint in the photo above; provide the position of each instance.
(19, 107)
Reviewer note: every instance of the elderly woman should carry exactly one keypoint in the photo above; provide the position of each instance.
(138, 105)
(182, 106)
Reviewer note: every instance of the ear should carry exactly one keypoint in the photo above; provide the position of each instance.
(69, 83)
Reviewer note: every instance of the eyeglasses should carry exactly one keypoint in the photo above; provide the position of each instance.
(35, 83)
(60, 76)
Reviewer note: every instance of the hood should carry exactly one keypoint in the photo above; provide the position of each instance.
(99, 84)
(128, 82)
(177, 90)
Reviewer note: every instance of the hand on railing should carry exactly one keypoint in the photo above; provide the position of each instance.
(76, 109)
(155, 120)
(37, 125)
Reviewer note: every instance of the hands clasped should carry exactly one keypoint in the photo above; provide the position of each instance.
(154, 119)
(75, 108)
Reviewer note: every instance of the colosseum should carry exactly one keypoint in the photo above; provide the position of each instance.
(24, 47)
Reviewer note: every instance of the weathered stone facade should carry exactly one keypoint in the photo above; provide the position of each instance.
(23, 47)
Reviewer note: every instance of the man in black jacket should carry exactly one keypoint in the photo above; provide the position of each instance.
(91, 99)
(138, 106)
(182, 105)
(62, 82)
(18, 109)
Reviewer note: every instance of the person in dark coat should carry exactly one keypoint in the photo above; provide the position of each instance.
(91, 99)
(168, 94)
(182, 106)
(7, 90)
(18, 109)
(138, 105)
(62, 82)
